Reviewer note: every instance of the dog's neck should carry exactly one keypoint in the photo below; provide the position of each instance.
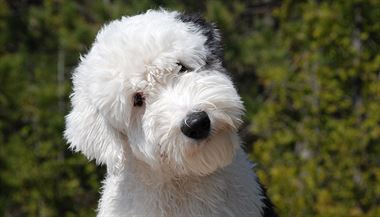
(132, 166)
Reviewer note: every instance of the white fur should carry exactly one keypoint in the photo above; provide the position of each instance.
(153, 169)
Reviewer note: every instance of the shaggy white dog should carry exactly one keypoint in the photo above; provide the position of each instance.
(153, 102)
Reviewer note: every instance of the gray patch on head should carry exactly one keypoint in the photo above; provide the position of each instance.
(213, 42)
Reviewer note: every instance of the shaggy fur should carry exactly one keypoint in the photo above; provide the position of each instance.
(132, 91)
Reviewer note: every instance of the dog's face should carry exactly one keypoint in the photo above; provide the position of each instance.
(154, 84)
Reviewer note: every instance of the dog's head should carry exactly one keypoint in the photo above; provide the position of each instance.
(154, 84)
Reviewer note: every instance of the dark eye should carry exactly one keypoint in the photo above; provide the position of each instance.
(183, 68)
(138, 100)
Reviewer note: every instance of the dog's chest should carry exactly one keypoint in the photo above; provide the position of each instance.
(232, 192)
(132, 198)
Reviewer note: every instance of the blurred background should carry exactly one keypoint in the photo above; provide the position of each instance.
(308, 71)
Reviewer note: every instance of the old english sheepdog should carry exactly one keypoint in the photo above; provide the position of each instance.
(152, 101)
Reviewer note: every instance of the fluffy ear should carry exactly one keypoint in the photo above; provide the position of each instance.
(88, 132)
(100, 106)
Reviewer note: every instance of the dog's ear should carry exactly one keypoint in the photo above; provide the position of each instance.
(88, 132)
(101, 104)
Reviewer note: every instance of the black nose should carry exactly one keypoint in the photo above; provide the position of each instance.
(196, 125)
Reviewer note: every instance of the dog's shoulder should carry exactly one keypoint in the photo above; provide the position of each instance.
(269, 208)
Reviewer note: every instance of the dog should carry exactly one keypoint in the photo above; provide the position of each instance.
(152, 101)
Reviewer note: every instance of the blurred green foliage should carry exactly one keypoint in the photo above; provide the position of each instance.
(308, 71)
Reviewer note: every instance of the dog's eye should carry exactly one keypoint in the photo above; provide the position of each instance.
(138, 100)
(183, 68)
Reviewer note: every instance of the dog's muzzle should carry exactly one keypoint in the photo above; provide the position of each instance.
(196, 125)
